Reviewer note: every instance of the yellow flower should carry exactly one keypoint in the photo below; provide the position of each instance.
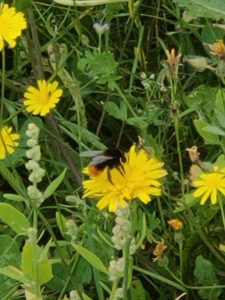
(39, 101)
(137, 177)
(175, 224)
(8, 141)
(217, 49)
(11, 25)
(209, 185)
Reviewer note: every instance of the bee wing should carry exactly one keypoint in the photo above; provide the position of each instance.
(100, 159)
(91, 153)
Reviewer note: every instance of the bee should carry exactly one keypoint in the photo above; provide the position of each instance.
(111, 158)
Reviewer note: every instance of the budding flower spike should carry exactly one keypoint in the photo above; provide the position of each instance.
(137, 176)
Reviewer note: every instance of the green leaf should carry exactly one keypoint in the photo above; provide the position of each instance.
(116, 111)
(214, 9)
(14, 273)
(220, 108)
(9, 255)
(14, 218)
(88, 2)
(85, 297)
(137, 290)
(210, 138)
(54, 185)
(189, 200)
(213, 129)
(205, 273)
(139, 122)
(101, 67)
(36, 265)
(91, 258)
(13, 197)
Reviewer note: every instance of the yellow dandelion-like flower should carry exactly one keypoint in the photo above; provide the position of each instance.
(39, 101)
(210, 185)
(137, 177)
(11, 25)
(8, 141)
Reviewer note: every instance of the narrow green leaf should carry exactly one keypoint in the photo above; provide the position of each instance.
(14, 218)
(214, 129)
(13, 197)
(54, 185)
(88, 2)
(85, 297)
(14, 273)
(91, 258)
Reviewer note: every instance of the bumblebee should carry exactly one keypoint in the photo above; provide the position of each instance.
(111, 158)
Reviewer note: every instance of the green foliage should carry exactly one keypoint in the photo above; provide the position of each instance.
(35, 264)
(205, 273)
(206, 9)
(14, 218)
(100, 67)
(9, 255)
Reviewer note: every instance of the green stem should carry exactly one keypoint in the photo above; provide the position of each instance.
(176, 126)
(113, 290)
(222, 211)
(126, 268)
(3, 85)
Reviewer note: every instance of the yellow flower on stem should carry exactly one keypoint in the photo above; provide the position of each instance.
(8, 141)
(11, 25)
(39, 101)
(210, 185)
(137, 177)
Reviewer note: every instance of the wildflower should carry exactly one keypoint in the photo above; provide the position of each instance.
(101, 28)
(137, 177)
(209, 185)
(173, 61)
(39, 101)
(175, 224)
(8, 141)
(11, 25)
(217, 49)
(159, 249)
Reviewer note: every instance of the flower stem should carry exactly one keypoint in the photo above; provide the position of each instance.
(222, 211)
(113, 290)
(126, 268)
(3, 85)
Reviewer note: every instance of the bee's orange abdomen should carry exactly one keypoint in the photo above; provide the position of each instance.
(93, 170)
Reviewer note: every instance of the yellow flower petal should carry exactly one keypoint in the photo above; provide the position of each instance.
(209, 186)
(8, 141)
(41, 100)
(11, 25)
